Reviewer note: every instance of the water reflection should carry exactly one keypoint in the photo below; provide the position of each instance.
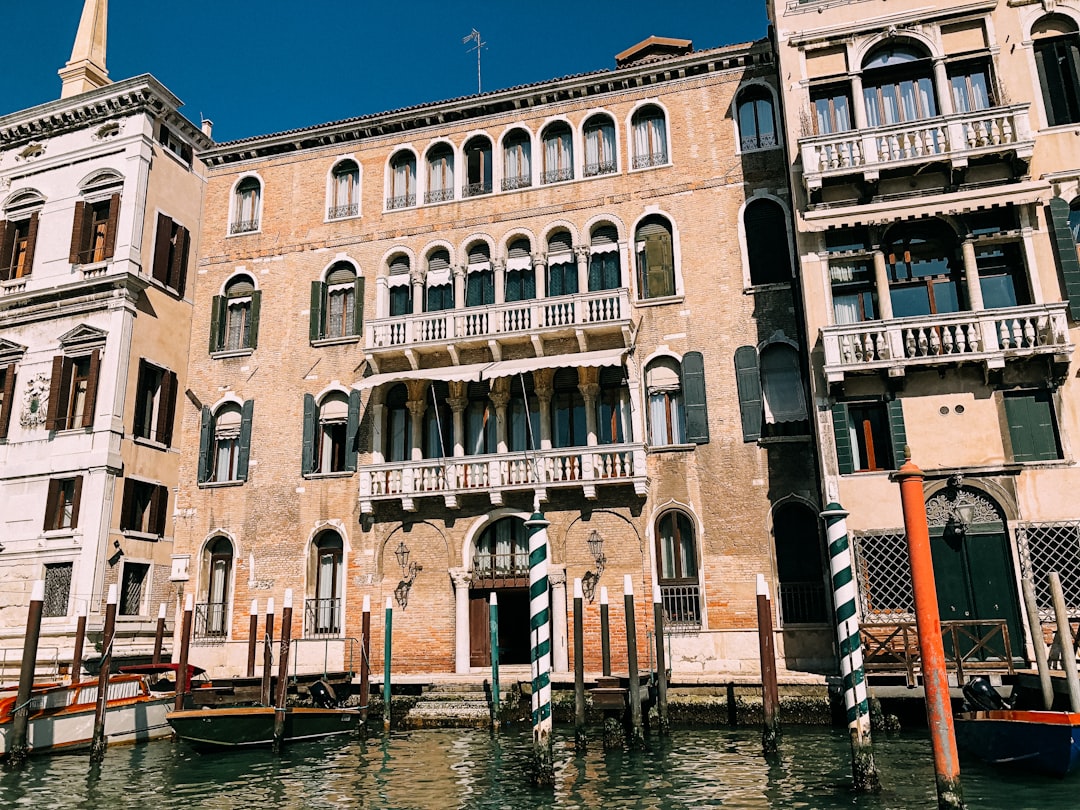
(472, 769)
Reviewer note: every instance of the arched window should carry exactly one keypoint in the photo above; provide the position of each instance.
(211, 617)
(783, 395)
(558, 152)
(399, 282)
(799, 566)
(517, 160)
(757, 124)
(523, 416)
(520, 281)
(477, 166)
(438, 439)
(226, 451)
(440, 287)
(337, 304)
(1057, 56)
(502, 551)
(663, 381)
(676, 559)
(440, 163)
(600, 146)
(481, 424)
(924, 265)
(96, 222)
(247, 205)
(345, 190)
(605, 270)
(898, 86)
(568, 425)
(322, 614)
(479, 277)
(655, 257)
(650, 137)
(562, 276)
(331, 449)
(234, 318)
(398, 437)
(613, 409)
(402, 181)
(767, 250)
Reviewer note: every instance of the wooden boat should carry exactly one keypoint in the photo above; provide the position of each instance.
(252, 726)
(1043, 741)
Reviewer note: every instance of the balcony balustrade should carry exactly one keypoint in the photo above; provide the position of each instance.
(513, 318)
(449, 478)
(400, 201)
(990, 336)
(955, 137)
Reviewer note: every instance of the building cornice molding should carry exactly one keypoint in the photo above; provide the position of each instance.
(68, 300)
(830, 34)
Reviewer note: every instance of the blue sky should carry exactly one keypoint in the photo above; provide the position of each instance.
(260, 67)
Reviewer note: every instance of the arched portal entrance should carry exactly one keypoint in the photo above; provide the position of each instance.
(500, 564)
(973, 569)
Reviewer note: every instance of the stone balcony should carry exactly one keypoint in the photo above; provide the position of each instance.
(991, 337)
(584, 468)
(497, 325)
(953, 138)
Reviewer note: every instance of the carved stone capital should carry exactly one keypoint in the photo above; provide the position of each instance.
(557, 576)
(462, 577)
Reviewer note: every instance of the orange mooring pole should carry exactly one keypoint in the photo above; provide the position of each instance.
(931, 649)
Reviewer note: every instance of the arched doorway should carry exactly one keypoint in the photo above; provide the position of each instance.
(799, 565)
(500, 564)
(973, 569)
(218, 572)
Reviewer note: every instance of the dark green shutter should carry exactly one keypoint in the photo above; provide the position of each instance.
(693, 386)
(748, 382)
(1031, 427)
(307, 462)
(253, 336)
(245, 439)
(845, 461)
(204, 445)
(358, 306)
(318, 295)
(217, 323)
(660, 269)
(1065, 246)
(352, 431)
(897, 431)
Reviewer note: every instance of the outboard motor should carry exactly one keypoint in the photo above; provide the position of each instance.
(323, 695)
(979, 695)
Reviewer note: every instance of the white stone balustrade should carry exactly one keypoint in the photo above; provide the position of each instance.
(989, 336)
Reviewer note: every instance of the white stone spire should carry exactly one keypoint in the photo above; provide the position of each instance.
(86, 68)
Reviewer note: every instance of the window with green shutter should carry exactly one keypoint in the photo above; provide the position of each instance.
(655, 258)
(1032, 427)
(694, 398)
(748, 382)
(1065, 247)
(870, 436)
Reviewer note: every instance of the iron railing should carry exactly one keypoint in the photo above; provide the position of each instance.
(439, 195)
(650, 159)
(752, 142)
(342, 211)
(401, 201)
(682, 607)
(476, 189)
(211, 620)
(244, 226)
(558, 175)
(601, 167)
(322, 617)
(803, 603)
(491, 567)
(513, 183)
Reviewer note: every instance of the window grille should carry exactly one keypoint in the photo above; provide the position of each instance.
(884, 577)
(1046, 547)
(57, 589)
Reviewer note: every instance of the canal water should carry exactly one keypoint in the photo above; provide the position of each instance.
(471, 769)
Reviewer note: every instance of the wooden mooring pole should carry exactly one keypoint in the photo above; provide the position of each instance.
(580, 742)
(770, 695)
(159, 634)
(931, 648)
(283, 672)
(493, 632)
(365, 659)
(80, 640)
(637, 736)
(253, 637)
(661, 661)
(605, 632)
(265, 693)
(1038, 641)
(1065, 641)
(185, 647)
(18, 749)
(98, 743)
(388, 636)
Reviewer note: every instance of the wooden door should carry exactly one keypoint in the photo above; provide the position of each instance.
(479, 629)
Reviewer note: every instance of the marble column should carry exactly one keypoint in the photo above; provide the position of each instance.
(416, 278)
(881, 282)
(458, 401)
(461, 579)
(499, 271)
(542, 385)
(560, 658)
(589, 386)
(417, 405)
(458, 279)
(582, 254)
(500, 398)
(971, 277)
(539, 263)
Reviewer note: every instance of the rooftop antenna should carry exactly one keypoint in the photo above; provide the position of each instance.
(475, 37)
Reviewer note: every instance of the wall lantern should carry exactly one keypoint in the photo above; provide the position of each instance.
(595, 543)
(409, 570)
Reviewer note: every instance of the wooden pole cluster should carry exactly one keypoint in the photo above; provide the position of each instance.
(98, 743)
(1038, 642)
(265, 694)
(18, 749)
(253, 637)
(80, 640)
(185, 646)
(770, 695)
(283, 671)
(637, 736)
(580, 742)
(605, 632)
(1064, 633)
(365, 659)
(661, 661)
(159, 634)
(493, 629)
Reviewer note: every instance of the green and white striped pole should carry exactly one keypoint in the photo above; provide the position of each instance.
(842, 569)
(543, 766)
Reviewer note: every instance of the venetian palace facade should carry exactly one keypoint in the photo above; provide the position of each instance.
(414, 327)
(933, 149)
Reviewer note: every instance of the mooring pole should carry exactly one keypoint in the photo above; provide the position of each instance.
(265, 692)
(18, 750)
(863, 768)
(365, 658)
(661, 661)
(543, 756)
(1038, 641)
(80, 639)
(770, 697)
(931, 649)
(283, 672)
(388, 636)
(493, 631)
(1064, 633)
(579, 667)
(159, 634)
(185, 647)
(253, 637)
(637, 736)
(98, 743)
(605, 632)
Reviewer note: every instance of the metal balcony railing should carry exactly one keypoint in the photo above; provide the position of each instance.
(650, 159)
(244, 226)
(322, 617)
(488, 568)
(514, 183)
(990, 336)
(601, 167)
(211, 620)
(476, 189)
(558, 175)
(803, 603)
(342, 211)
(439, 195)
(682, 607)
(401, 201)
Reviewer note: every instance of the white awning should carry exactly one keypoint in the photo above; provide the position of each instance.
(479, 267)
(437, 278)
(397, 279)
(518, 263)
(477, 372)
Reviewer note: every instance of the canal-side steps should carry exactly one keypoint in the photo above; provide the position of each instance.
(464, 705)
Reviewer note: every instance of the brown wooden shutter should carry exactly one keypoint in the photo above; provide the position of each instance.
(52, 518)
(179, 283)
(31, 241)
(91, 389)
(166, 408)
(76, 500)
(7, 246)
(8, 394)
(177, 266)
(158, 503)
(125, 505)
(53, 411)
(111, 225)
(78, 233)
(160, 269)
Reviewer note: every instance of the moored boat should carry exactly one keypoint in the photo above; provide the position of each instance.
(253, 726)
(1043, 741)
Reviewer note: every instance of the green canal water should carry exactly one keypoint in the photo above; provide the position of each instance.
(471, 769)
